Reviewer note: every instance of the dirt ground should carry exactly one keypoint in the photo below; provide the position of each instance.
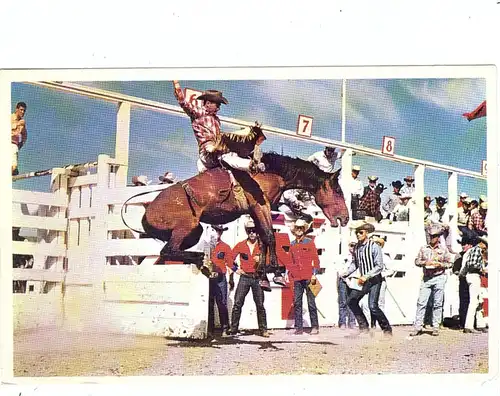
(51, 352)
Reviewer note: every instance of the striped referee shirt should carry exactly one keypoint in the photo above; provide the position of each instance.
(368, 258)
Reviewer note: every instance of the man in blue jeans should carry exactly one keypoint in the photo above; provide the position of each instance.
(368, 259)
(346, 317)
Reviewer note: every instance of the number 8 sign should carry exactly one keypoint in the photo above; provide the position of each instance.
(388, 144)
(304, 125)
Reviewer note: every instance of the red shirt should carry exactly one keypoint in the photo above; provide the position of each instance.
(247, 263)
(206, 124)
(222, 256)
(304, 259)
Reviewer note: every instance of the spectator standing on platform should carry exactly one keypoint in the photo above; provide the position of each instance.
(392, 200)
(325, 160)
(18, 134)
(477, 220)
(355, 188)
(409, 187)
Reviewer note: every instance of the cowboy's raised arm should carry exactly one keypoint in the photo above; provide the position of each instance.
(190, 107)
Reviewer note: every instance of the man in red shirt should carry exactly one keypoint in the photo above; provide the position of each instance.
(249, 253)
(222, 261)
(305, 264)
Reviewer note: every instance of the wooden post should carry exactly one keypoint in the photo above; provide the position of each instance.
(452, 198)
(417, 232)
(346, 185)
(122, 142)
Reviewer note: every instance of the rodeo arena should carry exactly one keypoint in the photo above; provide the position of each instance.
(205, 275)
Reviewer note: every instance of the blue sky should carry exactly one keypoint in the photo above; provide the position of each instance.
(424, 115)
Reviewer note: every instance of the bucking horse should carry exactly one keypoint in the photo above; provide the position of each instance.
(174, 216)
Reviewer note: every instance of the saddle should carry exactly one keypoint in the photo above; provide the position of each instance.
(196, 188)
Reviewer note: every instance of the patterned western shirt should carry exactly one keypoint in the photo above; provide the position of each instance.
(476, 222)
(474, 262)
(206, 124)
(436, 254)
(370, 202)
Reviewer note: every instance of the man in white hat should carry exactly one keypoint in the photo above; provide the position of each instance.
(353, 186)
(325, 159)
(409, 187)
(461, 198)
(434, 260)
(368, 259)
(140, 180)
(401, 211)
(463, 212)
(474, 266)
(303, 270)
(248, 251)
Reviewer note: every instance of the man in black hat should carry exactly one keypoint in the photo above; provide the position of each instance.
(206, 127)
(392, 200)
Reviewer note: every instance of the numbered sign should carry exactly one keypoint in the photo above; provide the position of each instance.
(484, 168)
(191, 95)
(388, 144)
(304, 126)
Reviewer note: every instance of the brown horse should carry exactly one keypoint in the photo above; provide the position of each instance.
(175, 215)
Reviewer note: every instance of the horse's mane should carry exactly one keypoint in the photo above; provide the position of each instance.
(239, 138)
(305, 173)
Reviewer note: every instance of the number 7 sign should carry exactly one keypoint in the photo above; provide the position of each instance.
(304, 125)
(388, 144)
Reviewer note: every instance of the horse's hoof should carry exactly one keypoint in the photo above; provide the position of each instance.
(265, 285)
(279, 280)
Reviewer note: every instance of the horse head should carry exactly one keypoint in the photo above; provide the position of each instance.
(330, 198)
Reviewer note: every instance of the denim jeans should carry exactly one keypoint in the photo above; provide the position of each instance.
(345, 313)
(430, 286)
(372, 288)
(298, 291)
(244, 285)
(217, 293)
(464, 297)
(381, 301)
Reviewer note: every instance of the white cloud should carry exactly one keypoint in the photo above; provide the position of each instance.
(456, 95)
(323, 99)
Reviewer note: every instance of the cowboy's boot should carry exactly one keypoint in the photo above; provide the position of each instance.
(264, 282)
(239, 194)
(279, 279)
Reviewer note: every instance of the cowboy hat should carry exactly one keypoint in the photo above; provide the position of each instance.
(428, 198)
(356, 168)
(249, 223)
(219, 228)
(142, 180)
(484, 206)
(167, 177)
(435, 229)
(483, 198)
(213, 96)
(483, 238)
(441, 199)
(373, 178)
(409, 178)
(363, 225)
(397, 184)
(300, 223)
(380, 187)
(463, 195)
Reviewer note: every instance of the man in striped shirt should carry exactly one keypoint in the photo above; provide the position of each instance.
(368, 259)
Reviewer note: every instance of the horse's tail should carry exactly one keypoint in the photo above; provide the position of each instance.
(132, 197)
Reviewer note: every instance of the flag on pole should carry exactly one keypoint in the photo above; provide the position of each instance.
(479, 112)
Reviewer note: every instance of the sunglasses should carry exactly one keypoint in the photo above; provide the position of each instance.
(360, 232)
(434, 235)
(251, 231)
